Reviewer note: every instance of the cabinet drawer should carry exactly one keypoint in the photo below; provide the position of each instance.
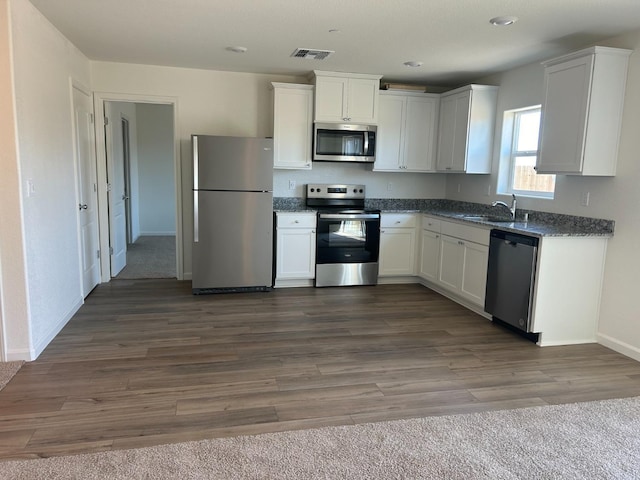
(398, 220)
(295, 220)
(431, 224)
(466, 232)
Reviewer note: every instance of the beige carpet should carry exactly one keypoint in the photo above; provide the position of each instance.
(8, 371)
(150, 257)
(595, 440)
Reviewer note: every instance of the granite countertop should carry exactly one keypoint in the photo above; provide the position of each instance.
(539, 224)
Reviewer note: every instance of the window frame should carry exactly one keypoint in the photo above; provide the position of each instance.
(512, 130)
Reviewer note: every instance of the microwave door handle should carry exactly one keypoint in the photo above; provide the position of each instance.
(366, 143)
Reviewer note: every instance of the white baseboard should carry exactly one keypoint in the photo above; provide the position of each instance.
(55, 330)
(20, 354)
(619, 346)
(157, 234)
(292, 283)
(397, 280)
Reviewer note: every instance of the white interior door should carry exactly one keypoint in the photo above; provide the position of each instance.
(116, 192)
(87, 189)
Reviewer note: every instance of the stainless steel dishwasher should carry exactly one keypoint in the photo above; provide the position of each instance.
(511, 277)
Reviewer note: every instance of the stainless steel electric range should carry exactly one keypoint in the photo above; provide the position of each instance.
(347, 238)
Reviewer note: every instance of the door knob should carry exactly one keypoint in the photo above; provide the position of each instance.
(82, 206)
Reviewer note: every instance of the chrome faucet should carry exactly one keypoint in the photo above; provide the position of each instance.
(511, 208)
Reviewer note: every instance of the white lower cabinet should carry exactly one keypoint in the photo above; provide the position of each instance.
(295, 249)
(397, 244)
(454, 257)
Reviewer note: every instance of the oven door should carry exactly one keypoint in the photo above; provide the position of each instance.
(347, 247)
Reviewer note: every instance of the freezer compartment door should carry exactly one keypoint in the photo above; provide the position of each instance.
(234, 247)
(232, 163)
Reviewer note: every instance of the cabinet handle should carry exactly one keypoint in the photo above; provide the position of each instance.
(313, 231)
(460, 242)
(296, 221)
(397, 221)
(437, 236)
(381, 231)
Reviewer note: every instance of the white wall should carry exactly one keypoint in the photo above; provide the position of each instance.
(156, 180)
(208, 102)
(14, 302)
(379, 184)
(43, 62)
(616, 198)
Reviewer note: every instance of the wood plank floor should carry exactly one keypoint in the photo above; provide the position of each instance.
(144, 362)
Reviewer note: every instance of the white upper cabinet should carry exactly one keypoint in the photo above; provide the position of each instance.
(465, 131)
(346, 97)
(292, 125)
(407, 132)
(582, 112)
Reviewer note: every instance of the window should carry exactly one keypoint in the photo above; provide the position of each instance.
(523, 152)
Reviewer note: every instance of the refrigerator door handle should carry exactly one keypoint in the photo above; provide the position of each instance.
(195, 161)
(196, 229)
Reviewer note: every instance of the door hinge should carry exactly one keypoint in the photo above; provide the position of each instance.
(98, 253)
(106, 120)
(110, 250)
(108, 187)
(91, 118)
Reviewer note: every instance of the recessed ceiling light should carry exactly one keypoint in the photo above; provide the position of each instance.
(503, 21)
(413, 63)
(237, 49)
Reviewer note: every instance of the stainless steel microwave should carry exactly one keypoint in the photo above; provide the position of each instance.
(337, 142)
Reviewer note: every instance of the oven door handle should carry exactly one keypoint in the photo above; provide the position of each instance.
(346, 216)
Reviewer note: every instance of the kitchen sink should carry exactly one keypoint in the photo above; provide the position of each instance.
(486, 218)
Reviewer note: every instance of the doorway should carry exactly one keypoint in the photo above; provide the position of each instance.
(138, 158)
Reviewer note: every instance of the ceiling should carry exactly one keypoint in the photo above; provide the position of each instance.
(453, 38)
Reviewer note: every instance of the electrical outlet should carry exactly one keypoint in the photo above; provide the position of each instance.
(31, 188)
(292, 184)
(584, 199)
(389, 187)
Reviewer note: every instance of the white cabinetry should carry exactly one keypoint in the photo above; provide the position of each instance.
(454, 257)
(295, 248)
(346, 97)
(465, 131)
(407, 127)
(566, 301)
(397, 244)
(582, 112)
(292, 125)
(430, 249)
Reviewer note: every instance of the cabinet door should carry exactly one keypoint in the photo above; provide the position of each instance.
(397, 251)
(331, 99)
(390, 128)
(292, 127)
(564, 116)
(295, 254)
(429, 255)
(446, 130)
(451, 258)
(420, 134)
(460, 132)
(362, 98)
(474, 272)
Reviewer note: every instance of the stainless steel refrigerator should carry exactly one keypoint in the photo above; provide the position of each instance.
(232, 214)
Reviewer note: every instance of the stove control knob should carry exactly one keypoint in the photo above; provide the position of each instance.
(312, 190)
(319, 190)
(355, 190)
(361, 191)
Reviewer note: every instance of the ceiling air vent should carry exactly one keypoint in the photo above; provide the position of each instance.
(311, 53)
